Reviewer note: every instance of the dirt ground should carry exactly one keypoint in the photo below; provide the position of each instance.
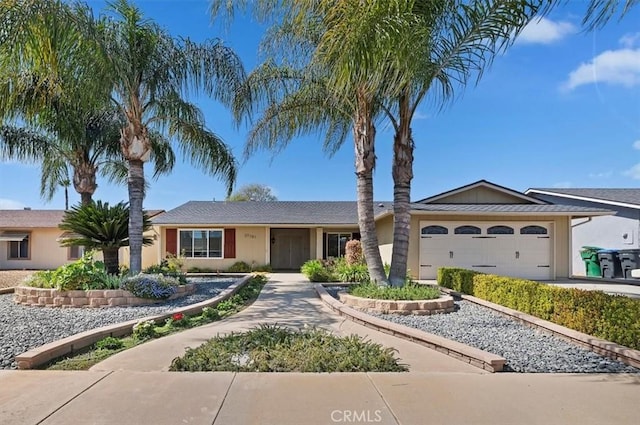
(13, 277)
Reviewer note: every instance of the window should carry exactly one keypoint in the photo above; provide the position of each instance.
(434, 230)
(500, 230)
(336, 243)
(201, 243)
(75, 252)
(19, 250)
(467, 230)
(533, 230)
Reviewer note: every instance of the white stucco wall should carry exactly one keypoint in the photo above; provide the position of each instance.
(605, 232)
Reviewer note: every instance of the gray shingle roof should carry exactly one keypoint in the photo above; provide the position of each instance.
(509, 208)
(254, 212)
(329, 213)
(627, 196)
(30, 219)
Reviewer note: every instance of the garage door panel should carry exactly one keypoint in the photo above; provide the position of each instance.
(500, 248)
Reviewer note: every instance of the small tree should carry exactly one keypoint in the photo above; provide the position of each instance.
(253, 192)
(98, 226)
(353, 252)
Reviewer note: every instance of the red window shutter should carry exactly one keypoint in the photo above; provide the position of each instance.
(172, 241)
(229, 243)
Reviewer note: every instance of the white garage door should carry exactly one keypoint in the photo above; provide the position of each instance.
(515, 249)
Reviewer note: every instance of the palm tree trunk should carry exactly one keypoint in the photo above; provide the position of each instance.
(66, 198)
(85, 198)
(364, 137)
(402, 175)
(111, 260)
(84, 181)
(136, 196)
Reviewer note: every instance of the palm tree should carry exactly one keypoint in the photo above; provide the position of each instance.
(300, 95)
(97, 225)
(378, 55)
(149, 73)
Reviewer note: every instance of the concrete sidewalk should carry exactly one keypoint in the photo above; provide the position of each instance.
(133, 387)
(224, 398)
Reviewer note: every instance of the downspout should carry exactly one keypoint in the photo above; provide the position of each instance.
(571, 243)
(580, 224)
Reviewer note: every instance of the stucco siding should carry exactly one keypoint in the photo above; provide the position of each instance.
(250, 248)
(45, 251)
(620, 231)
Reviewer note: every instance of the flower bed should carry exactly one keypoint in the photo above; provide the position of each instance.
(443, 304)
(39, 297)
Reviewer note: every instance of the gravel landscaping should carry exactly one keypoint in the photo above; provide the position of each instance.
(525, 349)
(23, 328)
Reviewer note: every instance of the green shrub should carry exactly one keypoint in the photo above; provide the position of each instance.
(345, 272)
(170, 266)
(316, 271)
(83, 273)
(614, 318)
(40, 279)
(151, 286)
(145, 330)
(460, 280)
(410, 292)
(109, 343)
(271, 348)
(210, 313)
(264, 268)
(239, 267)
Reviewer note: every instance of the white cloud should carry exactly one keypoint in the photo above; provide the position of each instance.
(560, 185)
(621, 67)
(420, 116)
(545, 31)
(601, 175)
(10, 204)
(633, 172)
(636, 144)
(630, 40)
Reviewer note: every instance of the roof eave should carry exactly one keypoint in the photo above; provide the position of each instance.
(576, 214)
(585, 198)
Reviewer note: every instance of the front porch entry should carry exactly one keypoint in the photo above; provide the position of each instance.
(289, 248)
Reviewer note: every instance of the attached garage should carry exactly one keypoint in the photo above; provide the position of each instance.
(509, 248)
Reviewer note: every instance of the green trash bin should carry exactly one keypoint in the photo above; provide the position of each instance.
(589, 255)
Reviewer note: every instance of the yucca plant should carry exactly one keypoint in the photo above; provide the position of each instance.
(101, 227)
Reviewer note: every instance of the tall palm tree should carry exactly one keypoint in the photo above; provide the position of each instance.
(386, 55)
(295, 93)
(149, 73)
(99, 226)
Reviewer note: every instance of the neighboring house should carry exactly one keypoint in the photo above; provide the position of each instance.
(481, 226)
(619, 231)
(30, 240)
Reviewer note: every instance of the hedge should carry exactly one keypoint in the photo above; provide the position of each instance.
(460, 280)
(611, 317)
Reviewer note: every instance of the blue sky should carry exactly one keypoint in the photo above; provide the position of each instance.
(560, 109)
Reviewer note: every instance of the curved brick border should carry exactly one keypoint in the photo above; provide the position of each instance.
(69, 345)
(479, 358)
(444, 304)
(603, 347)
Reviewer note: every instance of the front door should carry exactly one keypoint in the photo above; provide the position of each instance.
(289, 248)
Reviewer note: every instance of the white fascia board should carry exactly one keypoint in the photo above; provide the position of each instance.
(585, 198)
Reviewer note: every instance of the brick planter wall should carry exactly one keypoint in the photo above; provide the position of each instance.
(444, 304)
(38, 297)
